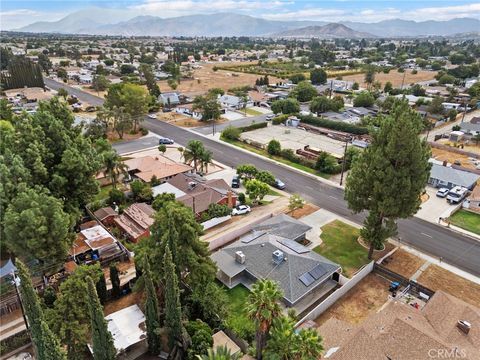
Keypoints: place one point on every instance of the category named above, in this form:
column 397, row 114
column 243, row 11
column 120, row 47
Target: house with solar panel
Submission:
column 273, row 250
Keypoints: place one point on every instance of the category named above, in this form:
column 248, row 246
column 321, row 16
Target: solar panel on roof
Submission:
column 306, row 279
column 293, row 245
column 252, row 236
column 317, row 272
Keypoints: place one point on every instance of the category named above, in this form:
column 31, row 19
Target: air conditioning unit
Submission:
column 464, row 326
column 278, row 256
column 240, row 257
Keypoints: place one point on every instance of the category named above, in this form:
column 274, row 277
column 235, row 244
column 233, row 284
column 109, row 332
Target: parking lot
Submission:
column 293, row 138
column 434, row 207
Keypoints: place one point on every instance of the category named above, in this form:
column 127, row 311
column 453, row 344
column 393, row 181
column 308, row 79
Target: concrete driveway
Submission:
column 435, row 207
column 232, row 115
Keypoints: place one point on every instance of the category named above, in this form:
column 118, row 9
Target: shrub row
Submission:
column 255, row 126
column 14, row 342
column 334, row 125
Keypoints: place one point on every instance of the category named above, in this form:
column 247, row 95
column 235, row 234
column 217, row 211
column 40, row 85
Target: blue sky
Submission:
column 17, row 13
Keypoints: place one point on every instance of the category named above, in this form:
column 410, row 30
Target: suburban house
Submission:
column 473, row 201
column 187, row 109
column 144, row 168
column 169, row 99
column 470, row 128
column 93, row 243
column 445, row 325
column 272, row 251
column 198, row 193
column 135, row 221
column 232, row 102
column 446, row 176
column 106, row 215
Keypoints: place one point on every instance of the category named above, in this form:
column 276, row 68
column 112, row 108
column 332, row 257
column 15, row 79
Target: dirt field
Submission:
column 394, row 77
column 87, row 89
column 471, row 148
column 451, row 157
column 182, row 120
column 404, row 263
column 123, row 302
column 361, row 301
column 437, row 278
column 205, row 78
column 306, row 210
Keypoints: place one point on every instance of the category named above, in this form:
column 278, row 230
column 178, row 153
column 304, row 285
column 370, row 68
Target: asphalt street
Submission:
column 455, row 248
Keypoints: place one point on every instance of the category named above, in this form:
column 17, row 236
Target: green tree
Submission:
column 355, row 86
column 295, row 202
column 274, row 147
column 247, row 171
column 193, row 153
column 45, row 342
column 363, row 99
column 370, row 76
column 206, row 158
column 162, row 148
column 304, row 91
column 256, row 190
column 102, row 341
column 202, row 340
column 326, row 163
column 100, row 83
column 266, row 177
column 388, row 178
column 318, row 76
column 115, row 280
column 231, row 133
column 388, row 87
column 62, row 92
column 297, row 78
column 70, row 317
column 263, row 306
column 285, row 106
column 161, row 200
column 173, row 311
column 36, row 225
column 208, row 106
column 152, row 314
column 435, row 106
column 101, row 287
column 150, row 80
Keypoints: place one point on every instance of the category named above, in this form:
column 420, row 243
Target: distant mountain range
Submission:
column 329, row 31
column 98, row 21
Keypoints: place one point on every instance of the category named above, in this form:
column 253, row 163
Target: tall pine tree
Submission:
column 115, row 279
column 173, row 311
column 102, row 341
column 46, row 344
column 388, row 178
column 101, row 287
column 152, row 315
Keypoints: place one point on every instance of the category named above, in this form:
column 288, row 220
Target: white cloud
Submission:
column 307, row 14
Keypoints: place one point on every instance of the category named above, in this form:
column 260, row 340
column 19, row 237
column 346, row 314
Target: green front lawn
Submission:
column 466, row 220
column 252, row 112
column 340, row 245
column 103, row 193
column 238, row 320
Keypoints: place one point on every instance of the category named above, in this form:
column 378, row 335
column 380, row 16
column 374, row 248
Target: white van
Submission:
column 457, row 194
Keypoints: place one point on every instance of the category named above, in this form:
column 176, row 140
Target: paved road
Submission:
column 126, row 147
column 208, row 129
column 456, row 249
column 82, row 95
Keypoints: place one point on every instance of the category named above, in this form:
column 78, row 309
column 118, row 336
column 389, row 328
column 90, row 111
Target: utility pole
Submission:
column 16, row 281
column 331, row 88
column 464, row 110
column 344, row 161
column 403, row 79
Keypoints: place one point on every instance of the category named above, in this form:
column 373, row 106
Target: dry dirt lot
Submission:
column 205, row 78
column 451, row 157
column 362, row 300
column 299, row 213
column 404, row 263
column 474, row 148
column 437, row 278
column 123, row 302
column 394, row 77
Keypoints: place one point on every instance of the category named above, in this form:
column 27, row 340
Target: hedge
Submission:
column 280, row 119
column 254, row 126
column 14, row 342
column 334, row 125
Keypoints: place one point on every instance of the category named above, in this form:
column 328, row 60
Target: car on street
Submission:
column 152, row 116
column 241, row 210
column 279, row 184
column 167, row 110
column 165, row 141
column 236, row 182
column 270, row 117
column 442, row 192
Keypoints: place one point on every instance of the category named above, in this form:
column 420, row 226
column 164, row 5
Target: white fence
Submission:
column 337, row 294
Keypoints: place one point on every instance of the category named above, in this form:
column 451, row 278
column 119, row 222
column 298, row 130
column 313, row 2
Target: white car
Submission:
column 442, row 192
column 241, row 210
column 152, row 116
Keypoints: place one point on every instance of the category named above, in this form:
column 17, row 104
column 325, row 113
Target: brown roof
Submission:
column 104, row 212
column 475, row 195
column 159, row 166
column 400, row 331
column 136, row 219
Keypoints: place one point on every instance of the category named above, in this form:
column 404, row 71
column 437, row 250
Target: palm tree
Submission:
column 282, row 338
column 263, row 307
column 205, row 160
column 220, row 353
column 193, row 153
column 308, row 344
column 114, row 166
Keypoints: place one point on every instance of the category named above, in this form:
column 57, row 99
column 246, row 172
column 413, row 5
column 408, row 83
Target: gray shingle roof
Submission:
column 284, row 226
column 454, row 176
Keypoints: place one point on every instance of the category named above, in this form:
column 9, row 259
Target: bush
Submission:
column 116, row 196
column 296, row 78
column 334, row 125
column 14, row 342
column 274, row 147
column 266, row 177
column 201, row 336
column 231, row 133
column 241, row 197
column 289, row 154
column 327, row 164
column 364, row 99
column 280, row 119
column 254, row 126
